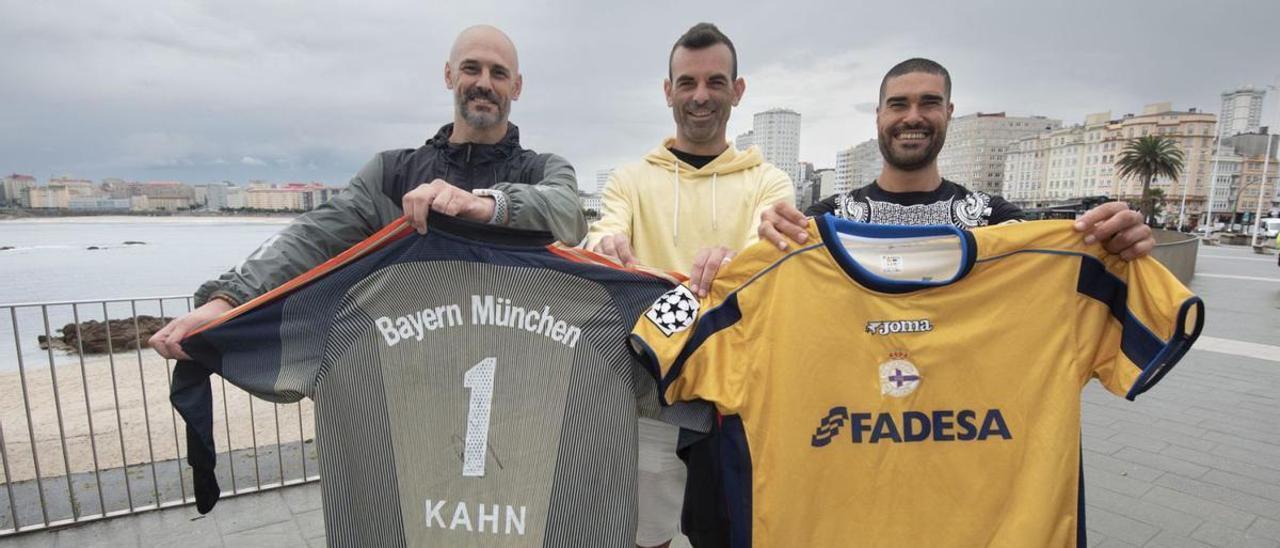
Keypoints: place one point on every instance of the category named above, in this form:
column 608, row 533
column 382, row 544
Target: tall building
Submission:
column 777, row 133
column 12, row 188
column 974, row 154
column 824, row 181
column 857, row 166
column 744, row 141
column 804, row 176
column 1067, row 164
column 805, row 170
column 1240, row 167
column 602, row 179
column 46, row 197
column 1241, row 111
column 223, row 195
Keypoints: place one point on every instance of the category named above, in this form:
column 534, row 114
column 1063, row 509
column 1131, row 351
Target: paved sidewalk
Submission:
column 1194, row 462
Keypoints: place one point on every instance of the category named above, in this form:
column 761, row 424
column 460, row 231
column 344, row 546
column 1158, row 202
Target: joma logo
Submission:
column 899, row 326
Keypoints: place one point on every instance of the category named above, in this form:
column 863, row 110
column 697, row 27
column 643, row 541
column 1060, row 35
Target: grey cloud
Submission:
column 142, row 89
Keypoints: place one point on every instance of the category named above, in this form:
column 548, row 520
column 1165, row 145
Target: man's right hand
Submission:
column 617, row 246
column 168, row 341
column 782, row 219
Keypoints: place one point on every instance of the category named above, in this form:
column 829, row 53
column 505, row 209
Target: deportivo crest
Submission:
column 898, row 377
column 674, row 311
column 892, row 327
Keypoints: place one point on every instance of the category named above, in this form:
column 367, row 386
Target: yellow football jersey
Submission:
column 914, row 386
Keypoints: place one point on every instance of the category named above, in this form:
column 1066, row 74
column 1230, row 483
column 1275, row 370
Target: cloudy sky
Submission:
column 308, row 91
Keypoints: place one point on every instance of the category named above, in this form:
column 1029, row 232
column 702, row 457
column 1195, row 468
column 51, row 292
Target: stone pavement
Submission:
column 1193, row 462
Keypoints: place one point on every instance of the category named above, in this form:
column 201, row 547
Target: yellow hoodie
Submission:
column 669, row 210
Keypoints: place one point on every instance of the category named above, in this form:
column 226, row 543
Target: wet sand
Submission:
column 137, row 378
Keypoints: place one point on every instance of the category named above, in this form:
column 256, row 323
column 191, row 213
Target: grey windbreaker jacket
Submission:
column 541, row 192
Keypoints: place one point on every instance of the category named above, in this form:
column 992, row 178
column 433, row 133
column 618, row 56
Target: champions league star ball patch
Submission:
column 898, row 377
column 674, row 311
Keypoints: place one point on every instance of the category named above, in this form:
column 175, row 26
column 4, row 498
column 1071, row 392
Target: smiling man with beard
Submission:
column 688, row 206
column 911, row 121
column 473, row 168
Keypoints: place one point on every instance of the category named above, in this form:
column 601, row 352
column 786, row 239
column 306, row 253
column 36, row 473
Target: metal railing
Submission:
column 95, row 436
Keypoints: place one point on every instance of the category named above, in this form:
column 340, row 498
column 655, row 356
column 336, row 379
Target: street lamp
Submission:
column 1266, row 163
column 1213, row 174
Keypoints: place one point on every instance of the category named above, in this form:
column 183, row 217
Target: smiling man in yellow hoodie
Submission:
column 690, row 205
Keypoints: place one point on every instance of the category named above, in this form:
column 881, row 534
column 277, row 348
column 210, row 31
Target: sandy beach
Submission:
column 136, row 377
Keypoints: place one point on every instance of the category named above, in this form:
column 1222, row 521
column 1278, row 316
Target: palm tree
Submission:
column 1146, row 158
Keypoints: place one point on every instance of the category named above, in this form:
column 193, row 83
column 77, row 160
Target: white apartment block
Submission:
column 46, row 197
column 288, row 197
column 1240, row 185
column 1224, row 191
column 13, row 187
column 857, row 166
column 744, row 141
column 273, row 199
column 76, row 188
column 1067, row 164
column 974, row 154
column 1242, row 110
column 224, row 196
column 777, row 133
column 592, row 201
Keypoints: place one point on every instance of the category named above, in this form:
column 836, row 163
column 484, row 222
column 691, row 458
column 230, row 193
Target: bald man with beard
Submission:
column 472, row 168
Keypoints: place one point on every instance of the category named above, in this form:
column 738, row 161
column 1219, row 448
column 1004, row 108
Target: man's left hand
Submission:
column 442, row 197
column 1120, row 230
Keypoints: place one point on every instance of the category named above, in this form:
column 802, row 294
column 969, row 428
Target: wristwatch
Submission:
column 499, row 204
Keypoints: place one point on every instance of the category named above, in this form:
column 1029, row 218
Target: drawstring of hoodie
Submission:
column 675, row 216
column 715, row 223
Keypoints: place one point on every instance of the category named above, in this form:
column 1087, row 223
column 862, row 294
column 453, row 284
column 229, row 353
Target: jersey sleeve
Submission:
column 250, row 351
column 270, row 352
column 687, row 346
column 1137, row 320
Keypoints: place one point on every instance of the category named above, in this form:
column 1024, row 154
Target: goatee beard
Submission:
column 481, row 120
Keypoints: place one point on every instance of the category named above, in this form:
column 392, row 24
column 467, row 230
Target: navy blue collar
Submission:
column 830, row 227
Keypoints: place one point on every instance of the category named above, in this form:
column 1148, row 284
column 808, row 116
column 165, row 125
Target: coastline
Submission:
column 152, row 219
column 138, row 378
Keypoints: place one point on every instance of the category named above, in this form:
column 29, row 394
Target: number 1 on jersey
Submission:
column 479, row 379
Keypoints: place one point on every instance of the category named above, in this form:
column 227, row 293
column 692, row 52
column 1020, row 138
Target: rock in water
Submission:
column 93, row 335
column 134, row 242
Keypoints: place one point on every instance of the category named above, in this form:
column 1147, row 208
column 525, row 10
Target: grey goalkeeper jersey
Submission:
column 472, row 388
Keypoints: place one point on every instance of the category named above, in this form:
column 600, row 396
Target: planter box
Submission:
column 1234, row 239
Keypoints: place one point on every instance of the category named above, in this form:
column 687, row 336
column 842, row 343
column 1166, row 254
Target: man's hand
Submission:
column 1120, row 229
column 706, row 264
column 439, row 195
column 617, row 246
column 167, row 341
column 781, row 219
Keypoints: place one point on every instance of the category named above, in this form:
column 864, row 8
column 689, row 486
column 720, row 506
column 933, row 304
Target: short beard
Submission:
column 902, row 164
column 480, row 120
